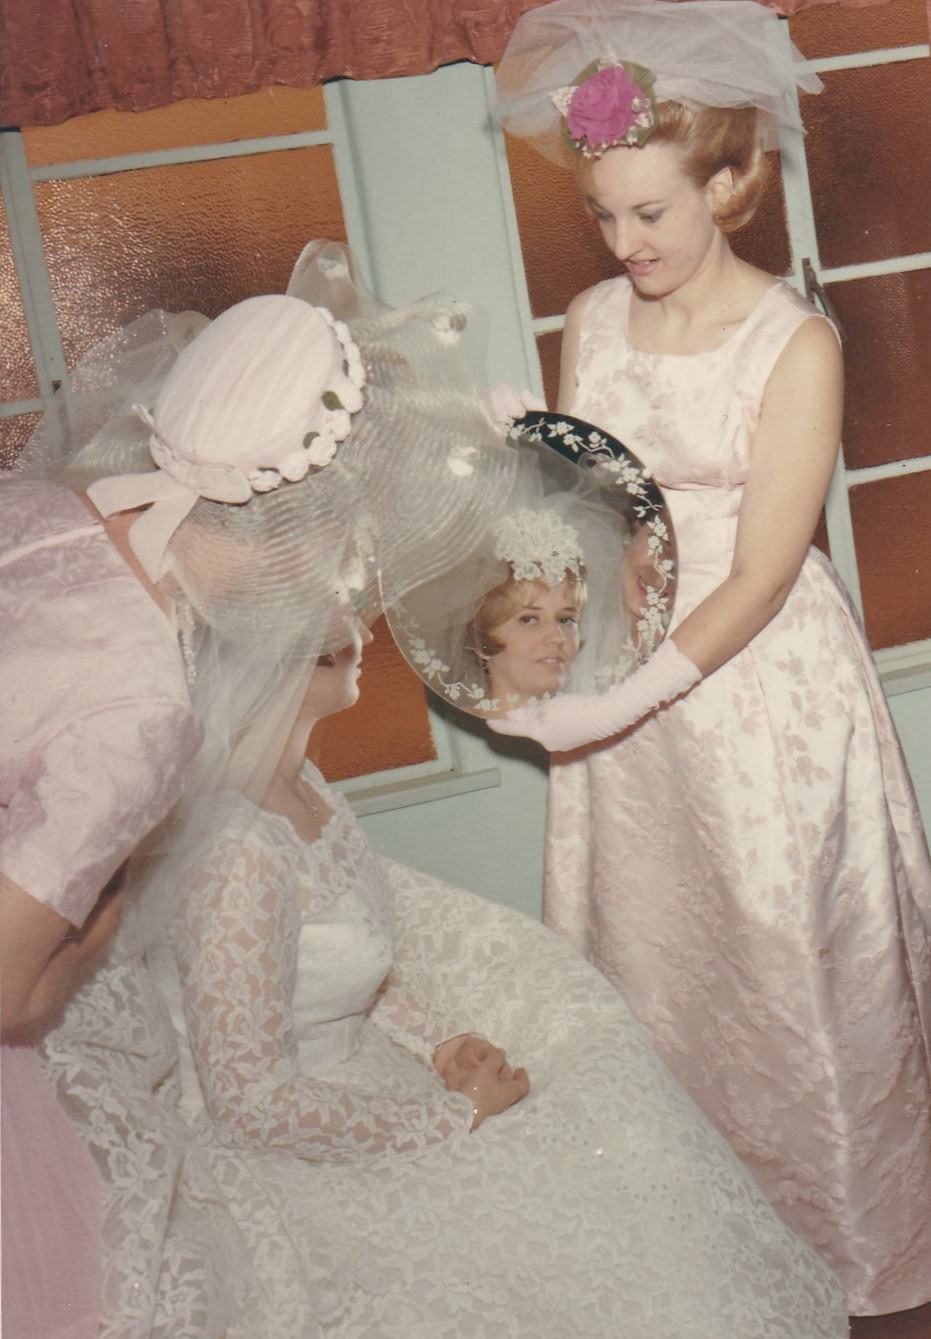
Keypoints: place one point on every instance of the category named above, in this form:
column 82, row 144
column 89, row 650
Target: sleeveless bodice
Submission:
column 689, row 417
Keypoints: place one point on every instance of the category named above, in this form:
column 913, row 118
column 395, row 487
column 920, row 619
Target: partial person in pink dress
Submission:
column 96, row 733
column 743, row 855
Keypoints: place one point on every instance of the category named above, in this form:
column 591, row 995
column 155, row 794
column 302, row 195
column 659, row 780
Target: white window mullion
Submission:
column 530, row 327
column 339, row 119
column 13, row 408
column 31, row 271
column 803, row 244
column 191, row 153
column 903, row 668
column 857, row 60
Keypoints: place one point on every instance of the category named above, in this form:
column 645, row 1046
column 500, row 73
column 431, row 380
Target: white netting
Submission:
column 703, row 53
column 615, row 514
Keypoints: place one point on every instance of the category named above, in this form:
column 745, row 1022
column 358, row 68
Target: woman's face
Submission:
column 539, row 642
column 334, row 683
column 652, row 215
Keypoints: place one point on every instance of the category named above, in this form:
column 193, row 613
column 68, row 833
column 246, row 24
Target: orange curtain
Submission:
column 61, row 58
column 64, row 57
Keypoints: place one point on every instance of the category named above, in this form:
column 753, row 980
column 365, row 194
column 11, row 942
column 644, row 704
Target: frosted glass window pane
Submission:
column 17, row 374
column 14, row 433
column 388, row 727
column 271, row 111
column 868, row 162
column 835, row 30
column 193, row 236
column 548, row 350
column 893, row 541
column 562, row 247
column 887, row 320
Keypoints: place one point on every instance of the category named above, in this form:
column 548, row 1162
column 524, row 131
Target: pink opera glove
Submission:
column 567, row 722
column 503, row 403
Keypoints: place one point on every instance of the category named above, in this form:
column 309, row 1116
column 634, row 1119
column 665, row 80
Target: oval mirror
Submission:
column 570, row 587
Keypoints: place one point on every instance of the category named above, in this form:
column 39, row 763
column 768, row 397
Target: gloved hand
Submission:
column 503, row 403
column 567, row 722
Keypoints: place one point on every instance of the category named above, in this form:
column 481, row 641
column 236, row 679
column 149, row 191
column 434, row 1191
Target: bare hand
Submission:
column 457, row 1058
column 43, row 958
column 504, row 403
column 493, row 1088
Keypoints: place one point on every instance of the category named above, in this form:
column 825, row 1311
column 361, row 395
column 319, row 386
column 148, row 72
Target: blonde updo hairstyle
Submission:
column 510, row 595
column 712, row 139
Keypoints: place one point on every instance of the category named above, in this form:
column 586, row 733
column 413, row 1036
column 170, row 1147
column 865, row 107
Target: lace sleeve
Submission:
column 236, row 943
column 414, row 1010
column 403, row 1015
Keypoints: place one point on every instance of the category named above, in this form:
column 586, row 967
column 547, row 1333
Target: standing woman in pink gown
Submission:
column 743, row 855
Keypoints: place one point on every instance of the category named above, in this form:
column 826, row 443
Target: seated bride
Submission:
column 361, row 1141
column 389, row 1169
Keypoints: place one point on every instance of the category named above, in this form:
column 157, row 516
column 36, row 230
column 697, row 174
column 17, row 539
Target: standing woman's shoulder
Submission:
column 580, row 312
column 798, row 305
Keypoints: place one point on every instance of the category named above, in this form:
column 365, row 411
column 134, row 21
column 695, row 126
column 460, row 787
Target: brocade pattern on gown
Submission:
column 603, row 1204
column 748, row 865
column 96, row 723
column 96, row 730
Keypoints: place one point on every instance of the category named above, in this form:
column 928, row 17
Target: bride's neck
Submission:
column 291, row 763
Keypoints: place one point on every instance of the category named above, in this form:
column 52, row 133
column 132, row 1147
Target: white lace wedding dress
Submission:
column 604, row 1204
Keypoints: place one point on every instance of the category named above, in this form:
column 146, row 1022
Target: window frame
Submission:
column 375, row 792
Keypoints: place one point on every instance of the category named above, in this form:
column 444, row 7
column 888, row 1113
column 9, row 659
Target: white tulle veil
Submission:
column 262, row 587
column 701, row 53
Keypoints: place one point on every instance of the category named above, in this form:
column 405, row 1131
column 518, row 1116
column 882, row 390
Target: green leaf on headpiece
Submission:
column 641, row 76
column 331, row 400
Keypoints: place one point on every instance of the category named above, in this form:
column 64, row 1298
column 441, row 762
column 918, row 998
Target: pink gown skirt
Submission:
column 51, row 1211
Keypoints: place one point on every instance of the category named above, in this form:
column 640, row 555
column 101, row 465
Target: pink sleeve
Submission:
column 94, row 791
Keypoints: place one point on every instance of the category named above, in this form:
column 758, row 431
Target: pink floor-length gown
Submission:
column 748, row 866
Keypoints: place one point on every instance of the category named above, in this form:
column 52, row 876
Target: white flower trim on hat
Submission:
column 538, row 546
column 181, row 477
column 221, row 482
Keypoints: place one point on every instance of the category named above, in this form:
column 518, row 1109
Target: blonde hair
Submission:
column 505, row 599
column 712, row 139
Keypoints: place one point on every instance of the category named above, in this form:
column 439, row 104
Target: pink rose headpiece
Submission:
column 263, row 395
column 610, row 104
column 706, row 53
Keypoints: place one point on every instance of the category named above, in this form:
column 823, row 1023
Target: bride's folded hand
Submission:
column 493, row 1087
column 455, row 1059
